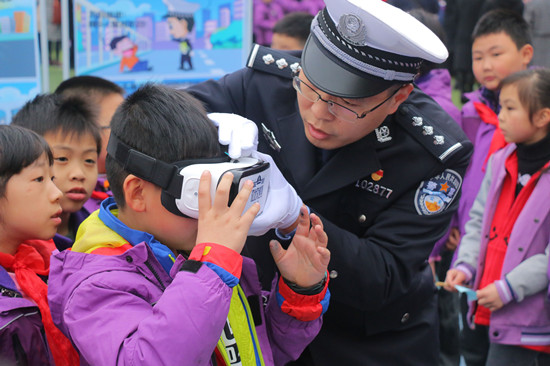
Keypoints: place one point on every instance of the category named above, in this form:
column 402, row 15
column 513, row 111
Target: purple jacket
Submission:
column 265, row 17
column 63, row 242
column 437, row 84
column 525, row 317
column 93, row 203
column 22, row 341
column 309, row 6
column 480, row 134
column 126, row 309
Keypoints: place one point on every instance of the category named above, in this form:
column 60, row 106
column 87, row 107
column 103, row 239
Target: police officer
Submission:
column 376, row 158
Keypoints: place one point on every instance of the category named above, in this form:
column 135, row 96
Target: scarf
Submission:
column 506, row 213
column 31, row 260
column 488, row 116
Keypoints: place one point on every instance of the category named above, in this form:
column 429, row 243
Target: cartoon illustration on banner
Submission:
column 169, row 41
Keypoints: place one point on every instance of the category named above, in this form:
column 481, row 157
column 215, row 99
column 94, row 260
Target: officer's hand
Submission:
column 222, row 224
column 241, row 134
column 306, row 259
column 282, row 204
column 454, row 277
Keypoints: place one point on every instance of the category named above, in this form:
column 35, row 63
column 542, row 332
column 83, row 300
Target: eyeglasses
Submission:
column 335, row 108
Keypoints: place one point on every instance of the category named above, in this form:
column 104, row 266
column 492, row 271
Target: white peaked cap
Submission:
column 359, row 48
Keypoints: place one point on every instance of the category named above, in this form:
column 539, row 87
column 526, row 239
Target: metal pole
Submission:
column 44, row 46
column 65, row 42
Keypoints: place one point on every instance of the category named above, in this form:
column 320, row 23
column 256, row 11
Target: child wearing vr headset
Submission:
column 147, row 283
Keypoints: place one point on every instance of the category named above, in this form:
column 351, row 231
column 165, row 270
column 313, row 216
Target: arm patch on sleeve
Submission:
column 436, row 194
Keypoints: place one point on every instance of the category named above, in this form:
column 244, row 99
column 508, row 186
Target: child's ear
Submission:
column 134, row 193
column 526, row 53
column 542, row 118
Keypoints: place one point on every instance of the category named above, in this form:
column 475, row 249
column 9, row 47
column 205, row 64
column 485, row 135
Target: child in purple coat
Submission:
column 504, row 252
column 147, row 284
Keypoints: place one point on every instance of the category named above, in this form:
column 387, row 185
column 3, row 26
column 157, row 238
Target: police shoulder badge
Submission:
column 435, row 195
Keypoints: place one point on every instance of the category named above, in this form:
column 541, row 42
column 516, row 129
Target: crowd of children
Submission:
column 165, row 271
column 95, row 268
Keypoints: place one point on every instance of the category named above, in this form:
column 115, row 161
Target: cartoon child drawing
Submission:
column 180, row 25
column 124, row 47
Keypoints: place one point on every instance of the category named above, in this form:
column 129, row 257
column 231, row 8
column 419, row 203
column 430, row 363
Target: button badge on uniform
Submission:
column 281, row 63
column 295, row 67
column 377, row 175
column 268, row 59
column 439, row 140
column 427, row 130
column 362, row 219
column 417, row 121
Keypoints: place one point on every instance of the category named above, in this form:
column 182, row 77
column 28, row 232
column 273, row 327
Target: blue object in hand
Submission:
column 470, row 294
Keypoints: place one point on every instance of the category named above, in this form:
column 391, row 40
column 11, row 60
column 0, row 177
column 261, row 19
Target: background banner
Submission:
column 180, row 42
column 19, row 61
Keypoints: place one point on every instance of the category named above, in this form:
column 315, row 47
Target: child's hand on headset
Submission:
column 222, row 224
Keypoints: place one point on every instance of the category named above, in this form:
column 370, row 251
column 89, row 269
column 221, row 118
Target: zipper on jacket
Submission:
column 155, row 273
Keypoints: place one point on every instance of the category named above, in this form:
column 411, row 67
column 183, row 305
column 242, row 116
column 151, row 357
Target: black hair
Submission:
column 533, row 88
column 115, row 41
column 189, row 18
column 431, row 21
column 165, row 123
column 89, row 86
column 19, row 148
column 51, row 113
column 502, row 20
column 295, row 24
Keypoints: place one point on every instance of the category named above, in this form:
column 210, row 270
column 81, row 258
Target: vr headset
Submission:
column 180, row 180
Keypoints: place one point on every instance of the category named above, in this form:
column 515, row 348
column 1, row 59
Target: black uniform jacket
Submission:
column 376, row 198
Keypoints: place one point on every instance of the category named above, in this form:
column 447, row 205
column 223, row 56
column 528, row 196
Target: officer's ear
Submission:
column 399, row 97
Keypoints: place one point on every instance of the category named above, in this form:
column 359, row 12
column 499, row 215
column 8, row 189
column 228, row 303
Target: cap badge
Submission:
column 268, row 59
column 383, row 134
column 352, row 29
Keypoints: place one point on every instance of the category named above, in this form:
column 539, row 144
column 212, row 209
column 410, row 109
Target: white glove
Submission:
column 282, row 205
column 241, row 134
